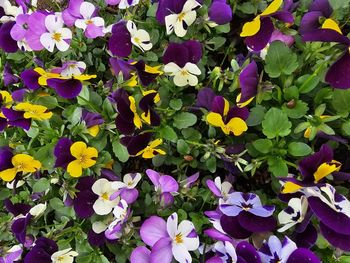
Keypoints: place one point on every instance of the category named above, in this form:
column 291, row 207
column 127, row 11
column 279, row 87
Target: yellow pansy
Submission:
column 236, row 125
column 150, row 151
column 253, row 27
column 21, row 163
column 32, row 111
column 245, row 103
column 137, row 119
column 325, row 169
column 84, row 158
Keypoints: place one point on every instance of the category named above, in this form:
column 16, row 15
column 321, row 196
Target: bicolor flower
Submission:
column 15, row 118
column 189, row 181
column 180, row 62
column 57, row 35
column 274, row 250
column 122, row 4
column 92, row 121
column 127, row 189
column 294, row 214
column 313, row 169
column 84, row 157
column 338, row 75
column 219, row 13
column 32, row 111
column 41, row 251
column 149, row 115
column 139, row 37
column 12, row 255
column 20, row 163
column 103, row 205
column 121, row 213
column 221, row 190
column 248, row 82
column 164, row 185
column 64, row 256
column 168, row 239
column 230, row 120
column 258, row 32
column 244, row 214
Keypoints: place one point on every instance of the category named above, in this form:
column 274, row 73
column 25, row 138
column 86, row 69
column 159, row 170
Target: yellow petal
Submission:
column 155, row 143
column 94, row 130
column 215, row 119
column 148, row 153
column 87, row 163
column 91, row 152
column 25, row 163
column 272, row 8
column 251, row 28
column 153, row 70
column 245, row 103
column 226, row 106
column 331, row 24
column 161, row 152
column 6, row 97
column 78, row 149
column 8, row 175
column 83, row 77
column 289, row 188
column 237, row 126
column 325, row 169
column 74, row 169
column 307, row 133
column 132, row 82
column 146, row 118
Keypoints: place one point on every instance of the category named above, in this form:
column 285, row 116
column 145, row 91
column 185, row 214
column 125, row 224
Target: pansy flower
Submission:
column 19, row 163
column 85, row 197
column 248, row 81
column 338, row 75
column 313, row 169
column 169, row 239
column 32, row 111
column 65, row 255
column 139, row 37
column 15, row 118
column 104, row 190
column 219, row 13
column 149, row 115
column 41, row 251
column 273, row 250
column 258, row 32
column 57, row 35
column 220, row 189
column 164, row 185
column 127, row 188
column 295, row 213
column 12, row 255
column 9, row 77
column 74, row 156
column 180, row 62
column 244, row 214
column 121, row 214
column 92, row 121
column 230, row 120
column 141, row 145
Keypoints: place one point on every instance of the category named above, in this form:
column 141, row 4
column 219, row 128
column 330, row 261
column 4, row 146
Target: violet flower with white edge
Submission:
column 103, row 205
column 165, row 185
column 220, row 189
column 91, row 24
column 139, row 37
column 57, row 35
column 121, row 214
column 179, row 23
column 126, row 189
column 168, row 239
column 295, row 213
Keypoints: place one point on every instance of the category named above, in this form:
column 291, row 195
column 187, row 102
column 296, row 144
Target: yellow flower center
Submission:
column 137, row 40
column 57, row 36
column 89, row 22
column 105, row 196
column 181, row 16
column 184, row 72
column 178, row 239
column 83, row 158
column 60, row 258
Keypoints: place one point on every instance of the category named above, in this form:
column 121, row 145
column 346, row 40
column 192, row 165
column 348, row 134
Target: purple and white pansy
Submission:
column 127, row 188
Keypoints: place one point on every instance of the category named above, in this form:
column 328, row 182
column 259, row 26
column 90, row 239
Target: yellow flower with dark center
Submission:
column 150, row 151
column 21, row 163
column 84, row 158
column 35, row 112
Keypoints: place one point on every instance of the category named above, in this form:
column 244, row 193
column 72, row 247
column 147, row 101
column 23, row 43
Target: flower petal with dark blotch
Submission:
column 256, row 224
column 66, row 88
column 136, row 143
column 261, row 39
column 233, row 228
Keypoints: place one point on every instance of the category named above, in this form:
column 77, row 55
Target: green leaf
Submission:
column 339, row 4
column 256, row 115
column 184, row 120
column 277, row 167
column 41, row 185
column 120, row 151
column 308, row 83
column 344, row 259
column 211, row 164
column 341, row 101
column 280, row 60
column 182, row 147
column 263, row 145
column 176, row 104
column 299, row 110
column 168, row 133
column 299, row 149
column 276, row 123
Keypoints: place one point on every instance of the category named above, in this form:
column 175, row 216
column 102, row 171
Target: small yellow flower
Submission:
column 21, row 163
column 35, row 112
column 150, row 151
column 84, row 158
column 236, row 125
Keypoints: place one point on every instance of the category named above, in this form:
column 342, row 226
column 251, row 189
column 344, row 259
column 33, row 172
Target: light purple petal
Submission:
column 168, row 184
column 153, row 229
column 140, row 255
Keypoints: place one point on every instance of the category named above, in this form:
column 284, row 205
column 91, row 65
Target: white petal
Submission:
column 181, row 254
column 192, row 68
column 99, row 227
column 53, row 23
column 171, row 225
column 185, row 227
column 172, row 68
column 286, row 227
column 190, row 17
column 190, row 5
column 181, row 80
column 80, row 23
column 66, row 33
column 130, row 25
column 87, row 9
column 62, row 45
column 116, row 185
column 103, row 207
column 38, row 210
column 179, row 29
column 192, row 243
column 170, row 22
column 98, row 21
column 47, row 41
column 101, row 186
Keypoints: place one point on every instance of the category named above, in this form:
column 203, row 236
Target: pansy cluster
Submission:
column 161, row 131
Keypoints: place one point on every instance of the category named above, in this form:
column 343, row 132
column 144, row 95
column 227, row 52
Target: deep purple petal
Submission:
column 338, row 75
column 62, row 153
column 205, row 97
column 261, row 39
column 307, row 238
column 245, row 250
column 310, row 22
column 303, row 255
column 120, row 41
column 16, row 209
column 242, row 113
column 5, row 158
column 30, row 79
column 325, row 35
column 136, row 143
column 284, row 16
column 95, row 239
column 336, row 239
column 83, row 203
column 220, row 12
column 177, row 53
column 233, row 228
column 256, row 224
column 67, row 89
column 7, row 43
column 119, row 65
column 322, row 6
column 248, row 81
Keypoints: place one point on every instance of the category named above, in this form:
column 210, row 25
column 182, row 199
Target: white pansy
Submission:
column 123, row 4
column 64, row 256
column 180, row 22
column 130, row 181
column 99, row 227
column 120, row 213
column 181, row 243
column 294, row 214
column 11, row 11
column 224, row 187
column 103, row 205
column 139, row 37
column 87, row 10
column 57, row 36
column 38, row 210
column 183, row 76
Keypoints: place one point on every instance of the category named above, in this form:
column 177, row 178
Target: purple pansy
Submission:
column 220, row 12
column 248, row 81
column 127, row 188
column 16, row 118
column 165, row 186
column 41, row 251
column 30, row 79
column 120, row 41
column 92, row 121
column 62, row 153
column 221, row 190
column 7, row 43
column 8, row 76
column 311, row 20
